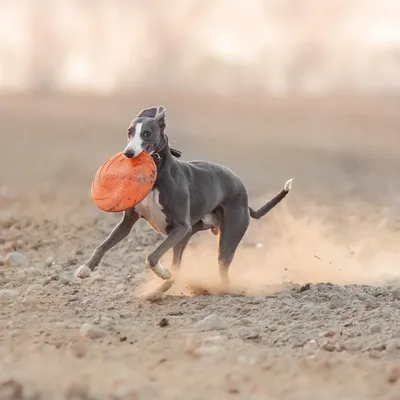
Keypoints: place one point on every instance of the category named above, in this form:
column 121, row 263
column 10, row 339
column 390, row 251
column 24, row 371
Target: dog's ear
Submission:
column 148, row 112
column 160, row 117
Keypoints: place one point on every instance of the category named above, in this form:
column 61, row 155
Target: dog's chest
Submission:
column 151, row 210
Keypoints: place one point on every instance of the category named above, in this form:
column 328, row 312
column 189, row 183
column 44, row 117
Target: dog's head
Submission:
column 145, row 132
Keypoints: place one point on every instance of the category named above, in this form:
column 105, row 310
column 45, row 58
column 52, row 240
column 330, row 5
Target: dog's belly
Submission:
column 151, row 210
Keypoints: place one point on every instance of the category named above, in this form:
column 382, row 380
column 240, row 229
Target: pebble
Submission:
column 32, row 272
column 393, row 346
column 49, row 261
column 336, row 302
column 16, row 260
column 104, row 321
column 91, row 331
column 14, row 333
column 211, row 323
column 330, row 346
column 34, row 289
column 247, row 360
column 66, row 278
column 29, row 302
column 376, row 328
column 8, row 295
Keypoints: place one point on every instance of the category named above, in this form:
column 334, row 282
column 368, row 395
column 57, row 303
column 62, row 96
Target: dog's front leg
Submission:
column 118, row 233
column 153, row 260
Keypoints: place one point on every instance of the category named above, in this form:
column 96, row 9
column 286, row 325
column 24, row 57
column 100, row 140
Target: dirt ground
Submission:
column 319, row 312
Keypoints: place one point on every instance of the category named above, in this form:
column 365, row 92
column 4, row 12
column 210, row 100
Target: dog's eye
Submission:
column 146, row 134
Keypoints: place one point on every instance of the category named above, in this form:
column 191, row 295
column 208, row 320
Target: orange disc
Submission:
column 121, row 183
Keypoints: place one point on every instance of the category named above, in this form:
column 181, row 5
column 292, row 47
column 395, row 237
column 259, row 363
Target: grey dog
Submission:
column 188, row 197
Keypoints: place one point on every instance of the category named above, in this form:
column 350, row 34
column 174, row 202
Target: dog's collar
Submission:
column 157, row 157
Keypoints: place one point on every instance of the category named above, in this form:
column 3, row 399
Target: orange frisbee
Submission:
column 121, row 183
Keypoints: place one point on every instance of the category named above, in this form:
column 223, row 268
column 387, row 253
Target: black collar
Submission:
column 159, row 154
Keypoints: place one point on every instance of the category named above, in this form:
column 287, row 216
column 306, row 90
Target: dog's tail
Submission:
column 273, row 202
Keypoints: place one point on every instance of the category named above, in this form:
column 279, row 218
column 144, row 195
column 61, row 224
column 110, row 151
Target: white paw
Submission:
column 288, row 185
column 159, row 270
column 153, row 297
column 157, row 294
column 83, row 272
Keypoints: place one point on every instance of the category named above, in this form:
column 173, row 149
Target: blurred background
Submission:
column 271, row 88
column 269, row 46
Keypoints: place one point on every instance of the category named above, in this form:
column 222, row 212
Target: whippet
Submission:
column 187, row 197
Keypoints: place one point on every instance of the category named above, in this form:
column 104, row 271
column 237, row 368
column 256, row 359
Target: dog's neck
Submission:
column 163, row 152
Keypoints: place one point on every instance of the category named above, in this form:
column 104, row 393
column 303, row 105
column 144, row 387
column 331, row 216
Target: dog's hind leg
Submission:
column 118, row 233
column 234, row 224
column 181, row 246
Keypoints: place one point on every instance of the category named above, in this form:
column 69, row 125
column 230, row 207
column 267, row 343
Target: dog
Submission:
column 187, row 197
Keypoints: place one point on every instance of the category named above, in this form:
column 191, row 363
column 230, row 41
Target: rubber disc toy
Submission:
column 121, row 183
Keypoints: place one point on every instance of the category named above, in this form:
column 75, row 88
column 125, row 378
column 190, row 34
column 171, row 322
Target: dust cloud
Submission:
column 285, row 249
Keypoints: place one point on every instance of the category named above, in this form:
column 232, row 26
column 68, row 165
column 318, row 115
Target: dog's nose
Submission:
column 129, row 153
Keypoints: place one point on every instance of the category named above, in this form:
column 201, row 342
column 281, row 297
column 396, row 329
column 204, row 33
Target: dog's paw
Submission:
column 83, row 272
column 154, row 296
column 159, row 270
column 157, row 294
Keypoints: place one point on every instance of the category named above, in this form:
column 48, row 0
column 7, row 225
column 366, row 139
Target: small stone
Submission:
column 371, row 304
column 32, row 272
column 14, row 333
column 49, row 261
column 393, row 346
column 104, row 321
column 66, row 278
column 303, row 288
column 210, row 323
column 16, row 260
column 92, row 331
column 247, row 360
column 330, row 346
column 376, row 328
column 164, row 322
column 336, row 302
column 2, row 258
column 363, row 296
column 34, row 289
column 7, row 295
column 29, row 302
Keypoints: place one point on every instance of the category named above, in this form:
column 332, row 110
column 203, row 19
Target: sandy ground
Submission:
column 319, row 312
